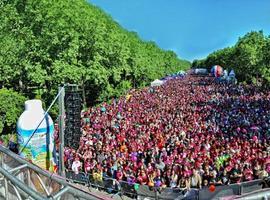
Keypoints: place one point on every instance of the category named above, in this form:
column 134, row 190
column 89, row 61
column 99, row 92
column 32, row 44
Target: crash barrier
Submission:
column 81, row 177
column 220, row 191
column 110, row 185
column 230, row 190
column 132, row 190
column 251, row 186
column 137, row 191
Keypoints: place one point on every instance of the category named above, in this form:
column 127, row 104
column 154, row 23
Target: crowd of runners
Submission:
column 188, row 133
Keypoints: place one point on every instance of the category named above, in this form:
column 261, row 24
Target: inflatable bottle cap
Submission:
column 33, row 105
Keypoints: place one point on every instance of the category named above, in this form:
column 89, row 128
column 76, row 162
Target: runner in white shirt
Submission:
column 76, row 165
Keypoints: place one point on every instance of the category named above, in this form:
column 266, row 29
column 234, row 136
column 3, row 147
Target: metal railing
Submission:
column 134, row 190
column 123, row 188
column 20, row 179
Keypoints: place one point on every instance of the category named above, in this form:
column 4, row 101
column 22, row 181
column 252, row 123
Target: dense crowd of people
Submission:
column 188, row 133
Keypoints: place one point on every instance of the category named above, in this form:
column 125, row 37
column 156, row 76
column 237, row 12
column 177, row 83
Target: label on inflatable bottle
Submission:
column 37, row 147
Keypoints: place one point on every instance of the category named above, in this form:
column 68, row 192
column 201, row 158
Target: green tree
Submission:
column 265, row 63
column 12, row 105
column 46, row 43
column 249, row 57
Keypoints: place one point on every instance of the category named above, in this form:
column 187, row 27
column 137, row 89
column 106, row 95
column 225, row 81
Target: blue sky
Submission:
column 191, row 28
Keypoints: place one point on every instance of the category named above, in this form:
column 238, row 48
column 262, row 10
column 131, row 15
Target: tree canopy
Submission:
column 46, row 43
column 12, row 105
column 249, row 57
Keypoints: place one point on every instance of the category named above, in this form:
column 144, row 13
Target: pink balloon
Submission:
column 255, row 138
column 134, row 158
